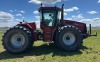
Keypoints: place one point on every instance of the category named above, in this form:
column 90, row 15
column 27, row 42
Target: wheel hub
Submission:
column 69, row 38
column 17, row 40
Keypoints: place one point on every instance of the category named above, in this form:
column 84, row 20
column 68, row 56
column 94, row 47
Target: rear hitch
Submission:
column 90, row 32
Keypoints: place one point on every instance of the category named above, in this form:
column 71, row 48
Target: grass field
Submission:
column 42, row 52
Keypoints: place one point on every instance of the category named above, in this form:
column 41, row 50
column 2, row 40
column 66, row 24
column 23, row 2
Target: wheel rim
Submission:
column 17, row 40
column 69, row 38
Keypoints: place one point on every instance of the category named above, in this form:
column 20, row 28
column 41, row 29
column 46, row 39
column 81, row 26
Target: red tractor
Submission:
column 66, row 34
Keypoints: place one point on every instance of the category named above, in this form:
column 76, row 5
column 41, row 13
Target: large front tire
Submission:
column 69, row 38
column 17, row 39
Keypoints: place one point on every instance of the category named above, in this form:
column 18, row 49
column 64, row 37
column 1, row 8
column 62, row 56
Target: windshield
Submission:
column 48, row 17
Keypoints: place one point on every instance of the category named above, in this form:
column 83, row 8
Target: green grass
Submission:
column 43, row 52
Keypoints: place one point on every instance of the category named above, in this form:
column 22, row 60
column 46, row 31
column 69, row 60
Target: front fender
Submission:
column 31, row 27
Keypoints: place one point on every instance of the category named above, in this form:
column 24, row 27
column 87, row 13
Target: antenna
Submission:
column 41, row 4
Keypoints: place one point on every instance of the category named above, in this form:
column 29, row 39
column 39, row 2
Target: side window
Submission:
column 59, row 15
column 40, row 14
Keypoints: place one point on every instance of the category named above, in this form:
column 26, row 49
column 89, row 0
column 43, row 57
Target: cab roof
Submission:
column 49, row 8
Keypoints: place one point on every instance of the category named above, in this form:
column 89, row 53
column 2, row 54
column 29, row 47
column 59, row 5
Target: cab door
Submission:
column 47, row 25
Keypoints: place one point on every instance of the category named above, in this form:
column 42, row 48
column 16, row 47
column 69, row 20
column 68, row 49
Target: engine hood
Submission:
column 73, row 22
column 81, row 26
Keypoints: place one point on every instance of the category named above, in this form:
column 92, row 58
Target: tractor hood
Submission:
column 73, row 22
column 81, row 26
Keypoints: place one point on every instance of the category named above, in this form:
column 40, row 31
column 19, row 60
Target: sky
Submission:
column 14, row 11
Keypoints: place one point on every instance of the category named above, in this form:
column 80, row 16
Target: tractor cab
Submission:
column 49, row 20
column 49, row 16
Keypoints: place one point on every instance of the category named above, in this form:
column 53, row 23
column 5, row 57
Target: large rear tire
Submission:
column 17, row 39
column 69, row 38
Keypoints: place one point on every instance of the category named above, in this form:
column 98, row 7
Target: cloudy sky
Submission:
column 14, row 11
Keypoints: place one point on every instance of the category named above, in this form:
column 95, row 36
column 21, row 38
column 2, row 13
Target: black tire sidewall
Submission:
column 7, row 43
column 78, row 38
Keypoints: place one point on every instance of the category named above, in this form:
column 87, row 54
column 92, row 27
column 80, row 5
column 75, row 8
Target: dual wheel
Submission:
column 17, row 39
column 68, row 38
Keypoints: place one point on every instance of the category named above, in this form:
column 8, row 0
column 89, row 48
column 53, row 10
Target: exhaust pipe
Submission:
column 62, row 12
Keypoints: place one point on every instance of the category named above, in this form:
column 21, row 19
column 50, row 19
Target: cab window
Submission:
column 48, row 17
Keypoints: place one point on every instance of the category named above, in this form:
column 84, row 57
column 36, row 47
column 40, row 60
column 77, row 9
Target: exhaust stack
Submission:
column 62, row 12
